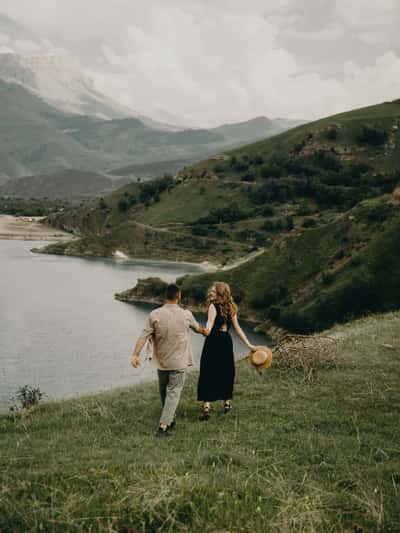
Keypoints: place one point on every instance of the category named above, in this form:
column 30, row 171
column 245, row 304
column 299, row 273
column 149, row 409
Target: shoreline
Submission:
column 26, row 228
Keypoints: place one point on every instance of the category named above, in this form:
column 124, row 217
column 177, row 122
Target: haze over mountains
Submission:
column 52, row 118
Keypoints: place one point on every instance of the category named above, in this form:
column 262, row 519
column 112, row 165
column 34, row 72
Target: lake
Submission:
column 61, row 328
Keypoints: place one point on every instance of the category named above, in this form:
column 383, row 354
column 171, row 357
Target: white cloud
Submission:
column 212, row 61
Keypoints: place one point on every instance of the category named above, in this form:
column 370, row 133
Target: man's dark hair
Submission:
column 172, row 291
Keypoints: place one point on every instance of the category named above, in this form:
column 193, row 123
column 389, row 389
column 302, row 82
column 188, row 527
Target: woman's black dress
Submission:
column 217, row 364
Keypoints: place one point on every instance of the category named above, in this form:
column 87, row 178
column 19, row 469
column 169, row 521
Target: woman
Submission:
column 217, row 365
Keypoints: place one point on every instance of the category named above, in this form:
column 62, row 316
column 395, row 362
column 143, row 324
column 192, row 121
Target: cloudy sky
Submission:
column 214, row 61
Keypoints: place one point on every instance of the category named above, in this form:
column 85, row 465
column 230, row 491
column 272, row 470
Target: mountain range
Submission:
column 36, row 138
column 53, row 118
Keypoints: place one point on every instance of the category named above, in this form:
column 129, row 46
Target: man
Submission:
column 168, row 329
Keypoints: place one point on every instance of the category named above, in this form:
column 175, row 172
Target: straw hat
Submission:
column 261, row 358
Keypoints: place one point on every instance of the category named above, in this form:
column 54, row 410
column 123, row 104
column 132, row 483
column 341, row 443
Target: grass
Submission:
column 295, row 455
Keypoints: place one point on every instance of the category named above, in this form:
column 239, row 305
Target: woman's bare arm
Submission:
column 240, row 333
column 212, row 313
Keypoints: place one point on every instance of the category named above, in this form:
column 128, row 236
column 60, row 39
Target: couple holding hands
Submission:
column 168, row 329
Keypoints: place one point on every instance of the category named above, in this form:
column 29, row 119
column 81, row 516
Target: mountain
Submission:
column 61, row 83
column 36, row 138
column 254, row 129
column 317, row 209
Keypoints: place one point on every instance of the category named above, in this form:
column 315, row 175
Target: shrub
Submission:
column 224, row 214
column 268, row 225
column 289, row 223
column 274, row 312
column 123, row 205
column 258, row 160
column 309, row 222
column 201, row 231
column 241, row 166
column 298, row 147
column 379, row 213
column 267, row 211
column 304, row 210
column 28, row 396
column 372, row 135
column 327, row 278
column 332, row 134
column 248, row 177
column 327, row 160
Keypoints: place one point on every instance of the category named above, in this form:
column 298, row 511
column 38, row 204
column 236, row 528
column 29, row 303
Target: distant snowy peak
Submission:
column 60, row 81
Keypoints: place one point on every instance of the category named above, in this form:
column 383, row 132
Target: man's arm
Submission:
column 195, row 326
column 144, row 337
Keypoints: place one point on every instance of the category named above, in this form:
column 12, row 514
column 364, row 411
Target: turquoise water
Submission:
column 60, row 327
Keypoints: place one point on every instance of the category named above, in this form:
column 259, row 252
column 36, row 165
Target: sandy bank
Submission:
column 29, row 229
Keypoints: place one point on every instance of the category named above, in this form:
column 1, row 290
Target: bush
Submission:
column 332, row 134
column 241, row 166
column 258, row 160
column 201, row 231
column 248, row 177
column 274, row 312
column 289, row 223
column 328, row 278
column 309, row 222
column 268, row 226
column 123, row 204
column 28, row 396
column 373, row 135
column 379, row 213
column 222, row 215
column 267, row 211
column 304, row 210
column 327, row 160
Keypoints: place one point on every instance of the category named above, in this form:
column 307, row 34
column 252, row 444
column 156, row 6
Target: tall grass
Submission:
column 294, row 455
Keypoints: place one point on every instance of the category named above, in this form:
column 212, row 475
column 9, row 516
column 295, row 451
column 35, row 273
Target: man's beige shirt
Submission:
column 168, row 328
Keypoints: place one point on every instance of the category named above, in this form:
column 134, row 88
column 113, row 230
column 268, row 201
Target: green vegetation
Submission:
column 288, row 284
column 65, row 185
column 317, row 202
column 31, row 207
column 300, row 452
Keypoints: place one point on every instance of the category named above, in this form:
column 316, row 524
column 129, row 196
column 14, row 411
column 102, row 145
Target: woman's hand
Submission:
column 206, row 332
column 135, row 362
column 252, row 348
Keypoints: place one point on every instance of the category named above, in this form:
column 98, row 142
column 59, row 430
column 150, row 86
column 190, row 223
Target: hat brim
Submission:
column 267, row 363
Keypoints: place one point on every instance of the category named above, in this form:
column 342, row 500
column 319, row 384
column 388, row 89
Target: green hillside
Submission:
column 65, row 184
column 334, row 272
column 317, row 199
column 312, row 445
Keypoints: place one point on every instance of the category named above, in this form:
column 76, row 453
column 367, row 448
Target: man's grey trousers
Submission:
column 171, row 384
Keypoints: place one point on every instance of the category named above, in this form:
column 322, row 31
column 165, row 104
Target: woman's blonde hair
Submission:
column 224, row 299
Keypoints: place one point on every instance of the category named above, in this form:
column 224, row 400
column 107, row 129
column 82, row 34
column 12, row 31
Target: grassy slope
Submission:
column 381, row 115
column 360, row 256
column 108, row 230
column 322, row 456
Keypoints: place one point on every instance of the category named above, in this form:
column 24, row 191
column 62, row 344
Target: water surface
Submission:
column 61, row 328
